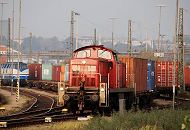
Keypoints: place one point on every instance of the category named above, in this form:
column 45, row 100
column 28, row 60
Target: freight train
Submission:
column 100, row 79
column 9, row 73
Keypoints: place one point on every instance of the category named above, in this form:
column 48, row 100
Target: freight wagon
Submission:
column 47, row 76
column 164, row 77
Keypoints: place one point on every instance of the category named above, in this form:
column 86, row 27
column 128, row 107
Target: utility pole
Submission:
column 159, row 25
column 95, row 41
column 19, row 50
column 181, row 51
column 72, row 31
column 77, row 33
column 30, row 49
column 174, row 51
column 129, row 38
column 9, row 41
column 1, row 35
column 112, row 35
column 12, row 46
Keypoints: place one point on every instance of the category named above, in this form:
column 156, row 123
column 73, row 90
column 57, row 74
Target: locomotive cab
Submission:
column 91, row 75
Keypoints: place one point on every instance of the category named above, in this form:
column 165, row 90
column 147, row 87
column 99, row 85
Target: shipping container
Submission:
column 187, row 76
column 56, row 71
column 35, row 71
column 151, row 75
column 136, row 72
column 3, row 58
column 164, row 74
column 62, row 74
column 46, row 72
column 66, row 73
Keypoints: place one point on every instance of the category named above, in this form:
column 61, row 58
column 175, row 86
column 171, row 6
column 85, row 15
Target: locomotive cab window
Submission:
column 104, row 54
column 83, row 54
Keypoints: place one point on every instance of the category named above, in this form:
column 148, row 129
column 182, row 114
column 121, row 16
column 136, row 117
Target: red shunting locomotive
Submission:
column 97, row 81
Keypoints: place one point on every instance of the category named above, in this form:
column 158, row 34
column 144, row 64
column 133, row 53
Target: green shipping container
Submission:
column 46, row 72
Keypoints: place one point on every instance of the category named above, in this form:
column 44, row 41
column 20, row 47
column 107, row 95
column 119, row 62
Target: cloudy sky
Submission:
column 48, row 18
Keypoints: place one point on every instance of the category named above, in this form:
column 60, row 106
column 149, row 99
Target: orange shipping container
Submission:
column 62, row 73
column 136, row 72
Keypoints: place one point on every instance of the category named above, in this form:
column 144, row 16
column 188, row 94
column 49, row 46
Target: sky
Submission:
column 49, row 18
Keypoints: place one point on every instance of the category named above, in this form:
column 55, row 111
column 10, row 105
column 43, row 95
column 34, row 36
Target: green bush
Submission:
column 186, row 124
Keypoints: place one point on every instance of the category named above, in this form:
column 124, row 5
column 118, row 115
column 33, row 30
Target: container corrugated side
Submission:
column 56, row 70
column 164, row 74
column 46, row 72
column 151, row 75
column 66, row 75
column 187, row 76
column 136, row 72
column 35, row 71
column 62, row 74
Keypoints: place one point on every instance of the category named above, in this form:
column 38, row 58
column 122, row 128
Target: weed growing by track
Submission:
column 154, row 120
column 162, row 119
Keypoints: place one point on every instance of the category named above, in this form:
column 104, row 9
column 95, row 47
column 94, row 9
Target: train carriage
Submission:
column 9, row 73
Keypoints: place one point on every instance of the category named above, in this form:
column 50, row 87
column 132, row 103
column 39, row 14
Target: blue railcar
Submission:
column 9, row 72
column 151, row 75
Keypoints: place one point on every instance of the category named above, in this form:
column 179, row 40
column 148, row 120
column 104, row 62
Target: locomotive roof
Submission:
column 96, row 46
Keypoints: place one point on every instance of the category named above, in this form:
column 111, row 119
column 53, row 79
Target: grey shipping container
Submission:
column 46, row 72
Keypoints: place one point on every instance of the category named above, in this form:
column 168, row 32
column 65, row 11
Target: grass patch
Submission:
column 163, row 119
column 154, row 120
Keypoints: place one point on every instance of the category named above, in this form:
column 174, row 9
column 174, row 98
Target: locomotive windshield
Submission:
column 83, row 54
column 104, row 54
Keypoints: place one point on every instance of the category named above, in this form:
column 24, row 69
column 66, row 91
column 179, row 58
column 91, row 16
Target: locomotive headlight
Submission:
column 61, row 89
column 102, row 89
column 83, row 62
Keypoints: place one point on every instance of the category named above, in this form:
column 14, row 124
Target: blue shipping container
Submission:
column 150, row 78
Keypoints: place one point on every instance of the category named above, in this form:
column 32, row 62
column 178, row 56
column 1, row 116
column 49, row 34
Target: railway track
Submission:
column 179, row 103
column 41, row 105
column 41, row 108
column 42, row 119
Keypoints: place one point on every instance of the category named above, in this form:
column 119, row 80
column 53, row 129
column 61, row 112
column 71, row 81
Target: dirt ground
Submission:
column 12, row 106
column 162, row 102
